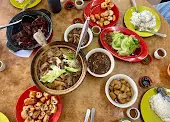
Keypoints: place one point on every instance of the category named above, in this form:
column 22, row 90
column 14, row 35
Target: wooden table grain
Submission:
column 16, row 78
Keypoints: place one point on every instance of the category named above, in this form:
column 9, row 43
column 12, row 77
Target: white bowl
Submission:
column 131, row 82
column 78, row 25
column 110, row 57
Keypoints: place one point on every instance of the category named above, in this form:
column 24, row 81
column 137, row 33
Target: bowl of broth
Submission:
column 100, row 62
column 56, row 70
column 72, row 35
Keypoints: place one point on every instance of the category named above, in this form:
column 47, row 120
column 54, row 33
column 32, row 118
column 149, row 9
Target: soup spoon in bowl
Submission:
column 25, row 18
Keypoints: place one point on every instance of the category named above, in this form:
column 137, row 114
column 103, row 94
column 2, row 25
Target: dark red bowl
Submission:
column 78, row 21
column 68, row 3
column 147, row 60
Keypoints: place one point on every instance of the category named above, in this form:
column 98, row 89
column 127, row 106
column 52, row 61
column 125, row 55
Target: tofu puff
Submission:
column 38, row 107
column 121, row 91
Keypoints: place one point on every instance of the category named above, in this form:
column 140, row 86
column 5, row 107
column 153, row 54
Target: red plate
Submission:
column 20, row 103
column 140, row 52
column 97, row 10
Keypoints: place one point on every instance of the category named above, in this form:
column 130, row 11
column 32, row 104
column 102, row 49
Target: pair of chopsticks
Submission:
column 88, row 115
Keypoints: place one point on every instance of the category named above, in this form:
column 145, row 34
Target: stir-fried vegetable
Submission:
column 124, row 44
column 59, row 67
column 52, row 74
column 71, row 69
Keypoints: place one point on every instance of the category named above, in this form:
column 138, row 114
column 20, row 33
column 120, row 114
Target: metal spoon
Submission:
column 26, row 6
column 156, row 33
column 163, row 93
column 83, row 34
column 24, row 18
column 146, row 30
column 135, row 5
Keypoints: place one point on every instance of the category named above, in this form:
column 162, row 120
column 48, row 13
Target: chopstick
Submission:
column 92, row 114
column 88, row 115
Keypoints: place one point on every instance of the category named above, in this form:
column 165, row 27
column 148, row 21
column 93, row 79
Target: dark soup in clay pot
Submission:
column 99, row 63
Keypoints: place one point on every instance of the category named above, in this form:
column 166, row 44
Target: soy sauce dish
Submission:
column 100, row 62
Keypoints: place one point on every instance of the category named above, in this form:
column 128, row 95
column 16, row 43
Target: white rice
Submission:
column 161, row 107
column 143, row 20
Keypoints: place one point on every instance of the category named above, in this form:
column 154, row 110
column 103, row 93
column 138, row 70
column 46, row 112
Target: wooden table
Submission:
column 16, row 78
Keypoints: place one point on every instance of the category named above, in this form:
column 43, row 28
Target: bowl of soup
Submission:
column 72, row 34
column 56, row 70
column 100, row 62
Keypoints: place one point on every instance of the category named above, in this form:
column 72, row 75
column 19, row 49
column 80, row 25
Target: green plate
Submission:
column 3, row 118
column 22, row 5
column 130, row 26
column 147, row 113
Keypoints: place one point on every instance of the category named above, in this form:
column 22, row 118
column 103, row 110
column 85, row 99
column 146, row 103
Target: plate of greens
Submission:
column 124, row 44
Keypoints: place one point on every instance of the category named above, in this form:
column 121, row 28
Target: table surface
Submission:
column 16, row 78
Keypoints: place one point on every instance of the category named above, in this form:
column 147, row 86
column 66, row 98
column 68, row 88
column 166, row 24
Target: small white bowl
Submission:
column 131, row 82
column 110, row 57
column 157, row 56
column 96, row 34
column 79, row 6
column 78, row 25
column 137, row 112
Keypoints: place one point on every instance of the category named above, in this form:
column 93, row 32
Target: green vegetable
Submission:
column 71, row 63
column 71, row 69
column 125, row 45
column 52, row 74
column 68, row 53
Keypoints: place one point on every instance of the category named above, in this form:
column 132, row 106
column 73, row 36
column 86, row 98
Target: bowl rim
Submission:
column 110, row 57
column 78, row 25
column 45, row 48
column 131, row 82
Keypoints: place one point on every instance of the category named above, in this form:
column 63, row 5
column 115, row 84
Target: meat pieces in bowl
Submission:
column 120, row 91
column 58, row 68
